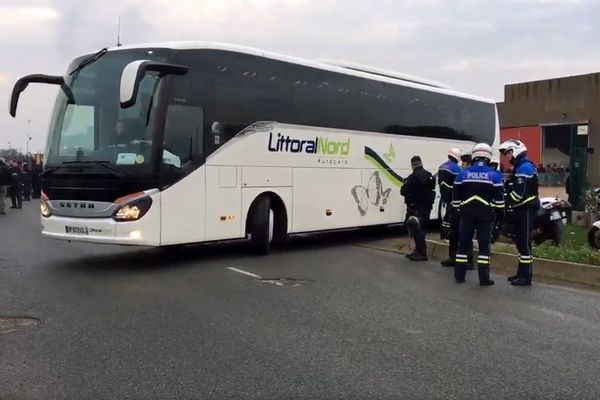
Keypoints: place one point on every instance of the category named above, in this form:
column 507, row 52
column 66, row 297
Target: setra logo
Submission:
column 319, row 145
column 77, row 205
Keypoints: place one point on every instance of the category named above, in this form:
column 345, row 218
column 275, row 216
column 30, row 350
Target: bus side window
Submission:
column 183, row 140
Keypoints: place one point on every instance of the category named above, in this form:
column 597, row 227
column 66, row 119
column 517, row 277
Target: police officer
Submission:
column 522, row 198
column 495, row 165
column 419, row 194
column 477, row 193
column 465, row 162
column 447, row 173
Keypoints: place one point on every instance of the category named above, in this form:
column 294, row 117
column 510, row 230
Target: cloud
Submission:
column 474, row 46
column 16, row 17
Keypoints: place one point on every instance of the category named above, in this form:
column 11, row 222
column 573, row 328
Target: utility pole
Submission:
column 28, row 138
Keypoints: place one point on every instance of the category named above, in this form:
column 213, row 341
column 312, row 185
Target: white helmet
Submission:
column 495, row 162
column 515, row 146
column 455, row 153
column 481, row 150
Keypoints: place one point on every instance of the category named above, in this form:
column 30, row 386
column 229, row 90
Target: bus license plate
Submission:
column 555, row 215
column 77, row 230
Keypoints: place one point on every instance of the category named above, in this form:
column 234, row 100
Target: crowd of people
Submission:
column 20, row 181
column 476, row 199
column 548, row 175
column 553, row 174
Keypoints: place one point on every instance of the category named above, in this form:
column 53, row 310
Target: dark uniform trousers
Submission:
column 525, row 215
column 446, row 222
column 416, row 220
column 16, row 195
column 469, row 224
column 453, row 236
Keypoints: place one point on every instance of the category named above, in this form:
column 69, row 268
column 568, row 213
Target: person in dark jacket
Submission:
column 26, row 180
column 419, row 194
column 36, row 181
column 4, row 182
column 16, row 186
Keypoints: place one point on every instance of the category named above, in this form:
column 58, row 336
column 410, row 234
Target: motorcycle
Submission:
column 594, row 232
column 549, row 222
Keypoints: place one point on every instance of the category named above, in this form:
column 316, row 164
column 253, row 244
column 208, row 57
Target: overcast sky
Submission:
column 475, row 46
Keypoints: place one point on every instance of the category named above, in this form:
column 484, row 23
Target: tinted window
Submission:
column 239, row 89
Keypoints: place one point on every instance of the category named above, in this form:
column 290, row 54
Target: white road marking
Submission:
column 239, row 271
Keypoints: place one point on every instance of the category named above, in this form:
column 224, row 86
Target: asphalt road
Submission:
column 148, row 324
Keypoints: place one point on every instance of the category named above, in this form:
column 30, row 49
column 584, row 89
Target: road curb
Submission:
column 505, row 263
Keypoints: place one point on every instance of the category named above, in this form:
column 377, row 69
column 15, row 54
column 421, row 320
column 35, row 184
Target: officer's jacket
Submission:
column 478, row 190
column 419, row 190
column 447, row 174
column 524, row 184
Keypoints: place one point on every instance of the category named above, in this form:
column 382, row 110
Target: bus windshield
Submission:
column 93, row 128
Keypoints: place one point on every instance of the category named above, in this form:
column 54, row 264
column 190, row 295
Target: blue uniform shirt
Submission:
column 524, row 189
column 447, row 173
column 478, row 190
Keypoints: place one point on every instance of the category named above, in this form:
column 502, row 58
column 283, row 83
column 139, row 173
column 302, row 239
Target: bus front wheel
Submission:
column 261, row 225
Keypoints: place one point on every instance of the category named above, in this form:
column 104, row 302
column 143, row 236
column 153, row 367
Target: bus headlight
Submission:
column 44, row 209
column 134, row 210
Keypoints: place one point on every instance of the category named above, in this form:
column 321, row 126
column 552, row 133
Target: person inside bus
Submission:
column 123, row 135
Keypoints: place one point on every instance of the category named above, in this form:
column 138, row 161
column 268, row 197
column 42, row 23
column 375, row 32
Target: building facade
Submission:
column 559, row 121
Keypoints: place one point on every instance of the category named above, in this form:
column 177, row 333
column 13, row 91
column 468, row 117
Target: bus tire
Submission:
column 261, row 225
column 280, row 235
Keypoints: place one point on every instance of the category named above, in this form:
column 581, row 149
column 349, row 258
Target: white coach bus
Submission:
column 185, row 142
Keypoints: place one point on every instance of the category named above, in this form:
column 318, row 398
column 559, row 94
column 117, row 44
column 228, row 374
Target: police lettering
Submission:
column 478, row 175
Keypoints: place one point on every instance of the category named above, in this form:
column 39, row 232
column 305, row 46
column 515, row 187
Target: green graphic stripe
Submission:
column 386, row 170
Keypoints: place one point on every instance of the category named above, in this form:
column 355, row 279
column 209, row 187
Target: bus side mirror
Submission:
column 134, row 72
column 22, row 84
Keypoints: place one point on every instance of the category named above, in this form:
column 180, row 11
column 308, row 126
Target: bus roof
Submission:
column 339, row 67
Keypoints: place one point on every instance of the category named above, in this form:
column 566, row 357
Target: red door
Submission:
column 531, row 136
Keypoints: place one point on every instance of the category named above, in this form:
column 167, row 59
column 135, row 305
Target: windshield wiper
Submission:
column 91, row 59
column 115, row 172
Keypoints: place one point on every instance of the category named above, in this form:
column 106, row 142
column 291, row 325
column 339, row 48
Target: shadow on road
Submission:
column 186, row 256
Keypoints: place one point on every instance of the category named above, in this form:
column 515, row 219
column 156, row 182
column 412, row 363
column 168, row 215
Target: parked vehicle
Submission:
column 549, row 223
column 594, row 232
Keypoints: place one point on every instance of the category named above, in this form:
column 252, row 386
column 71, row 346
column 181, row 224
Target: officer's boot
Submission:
column 450, row 261
column 484, row 275
column 460, row 272
column 521, row 271
column 420, row 254
column 452, row 247
column 523, row 276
